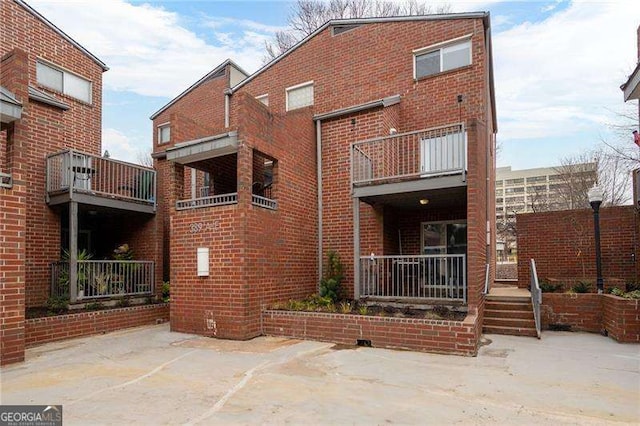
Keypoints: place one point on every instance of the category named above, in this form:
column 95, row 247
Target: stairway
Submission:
column 511, row 315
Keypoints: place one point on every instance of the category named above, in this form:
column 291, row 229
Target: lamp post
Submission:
column 595, row 199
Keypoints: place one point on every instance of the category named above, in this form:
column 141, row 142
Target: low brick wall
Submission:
column 581, row 311
column 62, row 327
column 622, row 318
column 451, row 337
column 595, row 313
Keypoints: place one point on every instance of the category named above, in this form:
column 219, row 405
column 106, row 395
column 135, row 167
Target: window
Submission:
column 442, row 57
column 264, row 99
column 515, row 181
column 164, row 133
column 63, row 82
column 299, row 96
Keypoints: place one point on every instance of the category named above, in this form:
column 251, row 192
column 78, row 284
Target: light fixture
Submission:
column 596, row 195
column 424, row 201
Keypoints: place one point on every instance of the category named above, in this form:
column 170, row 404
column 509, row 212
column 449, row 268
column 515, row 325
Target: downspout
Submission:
column 319, row 178
column 227, row 95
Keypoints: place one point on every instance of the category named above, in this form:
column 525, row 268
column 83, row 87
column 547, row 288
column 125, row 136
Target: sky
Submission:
column 558, row 64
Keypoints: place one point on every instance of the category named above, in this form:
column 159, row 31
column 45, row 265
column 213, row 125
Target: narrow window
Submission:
column 299, row 96
column 264, row 99
column 164, row 133
column 442, row 57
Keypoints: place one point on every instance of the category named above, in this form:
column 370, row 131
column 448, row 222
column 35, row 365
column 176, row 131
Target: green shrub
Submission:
column 617, row 292
column 363, row 310
column 94, row 306
column 632, row 295
column 166, row 291
column 345, row 307
column 123, row 302
column 549, row 287
column 57, row 304
column 632, row 286
column 582, row 287
column 330, row 284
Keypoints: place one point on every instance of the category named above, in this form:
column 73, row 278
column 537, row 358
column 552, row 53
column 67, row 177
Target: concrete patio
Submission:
column 152, row 376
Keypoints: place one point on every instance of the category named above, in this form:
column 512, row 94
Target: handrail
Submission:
column 536, row 296
column 486, row 280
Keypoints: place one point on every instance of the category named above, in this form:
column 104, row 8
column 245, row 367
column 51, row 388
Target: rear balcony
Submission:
column 99, row 181
column 414, row 161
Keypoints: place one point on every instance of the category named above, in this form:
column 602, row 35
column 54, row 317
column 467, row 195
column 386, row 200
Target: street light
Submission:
column 595, row 199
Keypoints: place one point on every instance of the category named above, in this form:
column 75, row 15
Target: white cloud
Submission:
column 119, row 145
column 148, row 49
column 562, row 75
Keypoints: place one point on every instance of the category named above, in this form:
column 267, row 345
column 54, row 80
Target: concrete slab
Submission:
column 152, row 376
column 512, row 291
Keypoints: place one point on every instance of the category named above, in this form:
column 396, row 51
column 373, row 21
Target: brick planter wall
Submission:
column 619, row 317
column 451, row 337
column 622, row 318
column 62, row 327
column 583, row 312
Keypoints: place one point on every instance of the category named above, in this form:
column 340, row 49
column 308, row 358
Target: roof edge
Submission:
column 64, row 35
column 434, row 17
column 45, row 98
column 384, row 102
column 196, row 84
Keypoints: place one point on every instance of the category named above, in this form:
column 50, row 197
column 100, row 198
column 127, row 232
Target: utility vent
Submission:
column 339, row 29
column 363, row 342
column 216, row 75
column 6, row 181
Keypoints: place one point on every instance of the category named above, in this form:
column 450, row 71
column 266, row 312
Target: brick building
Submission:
column 371, row 137
column 57, row 194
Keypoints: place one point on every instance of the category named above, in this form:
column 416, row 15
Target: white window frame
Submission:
column 441, row 222
column 164, row 126
column 65, row 72
column 440, row 47
column 299, row 86
column 264, row 99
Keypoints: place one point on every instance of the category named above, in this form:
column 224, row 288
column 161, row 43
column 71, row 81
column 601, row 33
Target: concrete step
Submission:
column 512, row 331
column 510, row 322
column 494, row 298
column 499, row 313
column 508, row 306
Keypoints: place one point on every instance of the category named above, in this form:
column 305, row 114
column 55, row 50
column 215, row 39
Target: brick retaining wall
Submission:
column 451, row 337
column 622, row 318
column 62, row 327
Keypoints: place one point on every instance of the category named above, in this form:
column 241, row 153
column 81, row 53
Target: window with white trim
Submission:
column 264, row 99
column 430, row 61
column 164, row 133
column 299, row 96
column 63, row 82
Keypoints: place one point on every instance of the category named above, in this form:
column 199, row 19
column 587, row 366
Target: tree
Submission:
column 144, row 158
column 308, row 15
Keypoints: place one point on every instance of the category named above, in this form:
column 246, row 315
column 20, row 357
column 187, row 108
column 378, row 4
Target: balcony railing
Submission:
column 104, row 278
column 210, row 201
column 434, row 277
column 264, row 202
column 72, row 171
column 424, row 153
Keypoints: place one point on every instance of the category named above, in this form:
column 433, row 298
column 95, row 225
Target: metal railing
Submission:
column 72, row 171
column 424, row 153
column 104, row 278
column 487, row 286
column 442, row 277
column 536, row 296
column 264, row 202
column 214, row 200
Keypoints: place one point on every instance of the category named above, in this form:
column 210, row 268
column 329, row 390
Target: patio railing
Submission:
column 536, row 296
column 424, row 153
column 104, row 278
column 441, row 277
column 72, row 171
column 209, row 201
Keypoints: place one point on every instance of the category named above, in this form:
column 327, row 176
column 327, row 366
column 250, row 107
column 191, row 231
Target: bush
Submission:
column 632, row 286
column 617, row 292
column 582, row 287
column 549, row 287
column 330, row 284
column 57, row 304
column 94, row 306
column 166, row 291
column 635, row 294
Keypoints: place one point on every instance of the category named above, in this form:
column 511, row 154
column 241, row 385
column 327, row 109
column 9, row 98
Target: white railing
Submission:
column 487, row 286
column 536, row 296
column 264, row 202
column 214, row 200
column 441, row 277
column 72, row 171
column 424, row 153
column 104, row 278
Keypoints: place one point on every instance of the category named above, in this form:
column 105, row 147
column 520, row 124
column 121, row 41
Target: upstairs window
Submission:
column 164, row 133
column 63, row 82
column 299, row 96
column 442, row 57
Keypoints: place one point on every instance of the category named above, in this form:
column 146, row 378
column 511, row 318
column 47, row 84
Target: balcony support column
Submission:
column 356, row 248
column 73, row 251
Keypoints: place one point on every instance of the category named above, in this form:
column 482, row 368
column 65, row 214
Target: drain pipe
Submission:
column 227, row 95
column 319, row 178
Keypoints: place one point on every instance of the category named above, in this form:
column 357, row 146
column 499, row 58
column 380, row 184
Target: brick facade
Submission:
column 258, row 256
column 562, row 244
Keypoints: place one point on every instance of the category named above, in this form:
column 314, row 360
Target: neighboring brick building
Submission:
column 52, row 198
column 372, row 137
